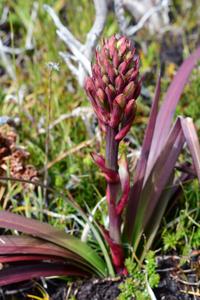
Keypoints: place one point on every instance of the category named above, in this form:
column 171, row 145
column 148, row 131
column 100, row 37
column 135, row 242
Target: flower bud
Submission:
column 116, row 115
column 121, row 100
column 119, row 83
column 129, row 90
column 114, row 83
column 129, row 109
column 101, row 95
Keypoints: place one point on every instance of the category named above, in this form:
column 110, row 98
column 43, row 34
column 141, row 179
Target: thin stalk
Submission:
column 47, row 140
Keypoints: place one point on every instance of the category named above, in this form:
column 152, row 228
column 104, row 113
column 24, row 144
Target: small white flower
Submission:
column 53, row 66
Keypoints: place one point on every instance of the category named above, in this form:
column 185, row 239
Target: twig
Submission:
column 80, row 57
column 29, row 44
column 191, row 293
column 61, row 27
column 6, row 62
column 13, row 51
column 67, row 59
column 185, row 282
column 4, row 15
column 97, row 28
column 139, row 8
column 120, row 13
column 133, row 29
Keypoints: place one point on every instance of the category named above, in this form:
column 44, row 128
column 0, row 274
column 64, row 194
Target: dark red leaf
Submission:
column 141, row 166
column 166, row 113
column 32, row 271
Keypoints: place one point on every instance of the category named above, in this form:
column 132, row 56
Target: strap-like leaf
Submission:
column 13, row 245
column 49, row 233
column 141, row 166
column 26, row 272
column 24, row 258
column 158, row 180
column 166, row 113
column 74, row 204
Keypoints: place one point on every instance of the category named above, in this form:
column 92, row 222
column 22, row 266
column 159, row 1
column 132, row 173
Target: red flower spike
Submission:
column 116, row 71
column 113, row 91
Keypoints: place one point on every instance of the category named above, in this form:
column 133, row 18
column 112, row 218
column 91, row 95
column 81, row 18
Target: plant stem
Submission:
column 113, row 188
column 47, row 140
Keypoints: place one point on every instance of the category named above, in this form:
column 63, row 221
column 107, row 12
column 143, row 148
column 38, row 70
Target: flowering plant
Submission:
column 134, row 211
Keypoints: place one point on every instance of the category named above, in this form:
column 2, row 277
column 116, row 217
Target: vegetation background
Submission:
column 39, row 93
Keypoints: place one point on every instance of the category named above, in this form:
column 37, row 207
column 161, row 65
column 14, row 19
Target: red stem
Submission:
column 113, row 188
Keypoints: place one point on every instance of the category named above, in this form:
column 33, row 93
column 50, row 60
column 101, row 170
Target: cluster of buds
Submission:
column 114, row 85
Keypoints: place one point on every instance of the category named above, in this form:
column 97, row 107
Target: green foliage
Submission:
column 135, row 284
column 182, row 234
column 153, row 277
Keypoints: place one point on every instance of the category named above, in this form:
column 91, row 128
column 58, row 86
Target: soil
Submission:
column 179, row 280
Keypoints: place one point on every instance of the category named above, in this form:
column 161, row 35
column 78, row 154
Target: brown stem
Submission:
column 113, row 188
